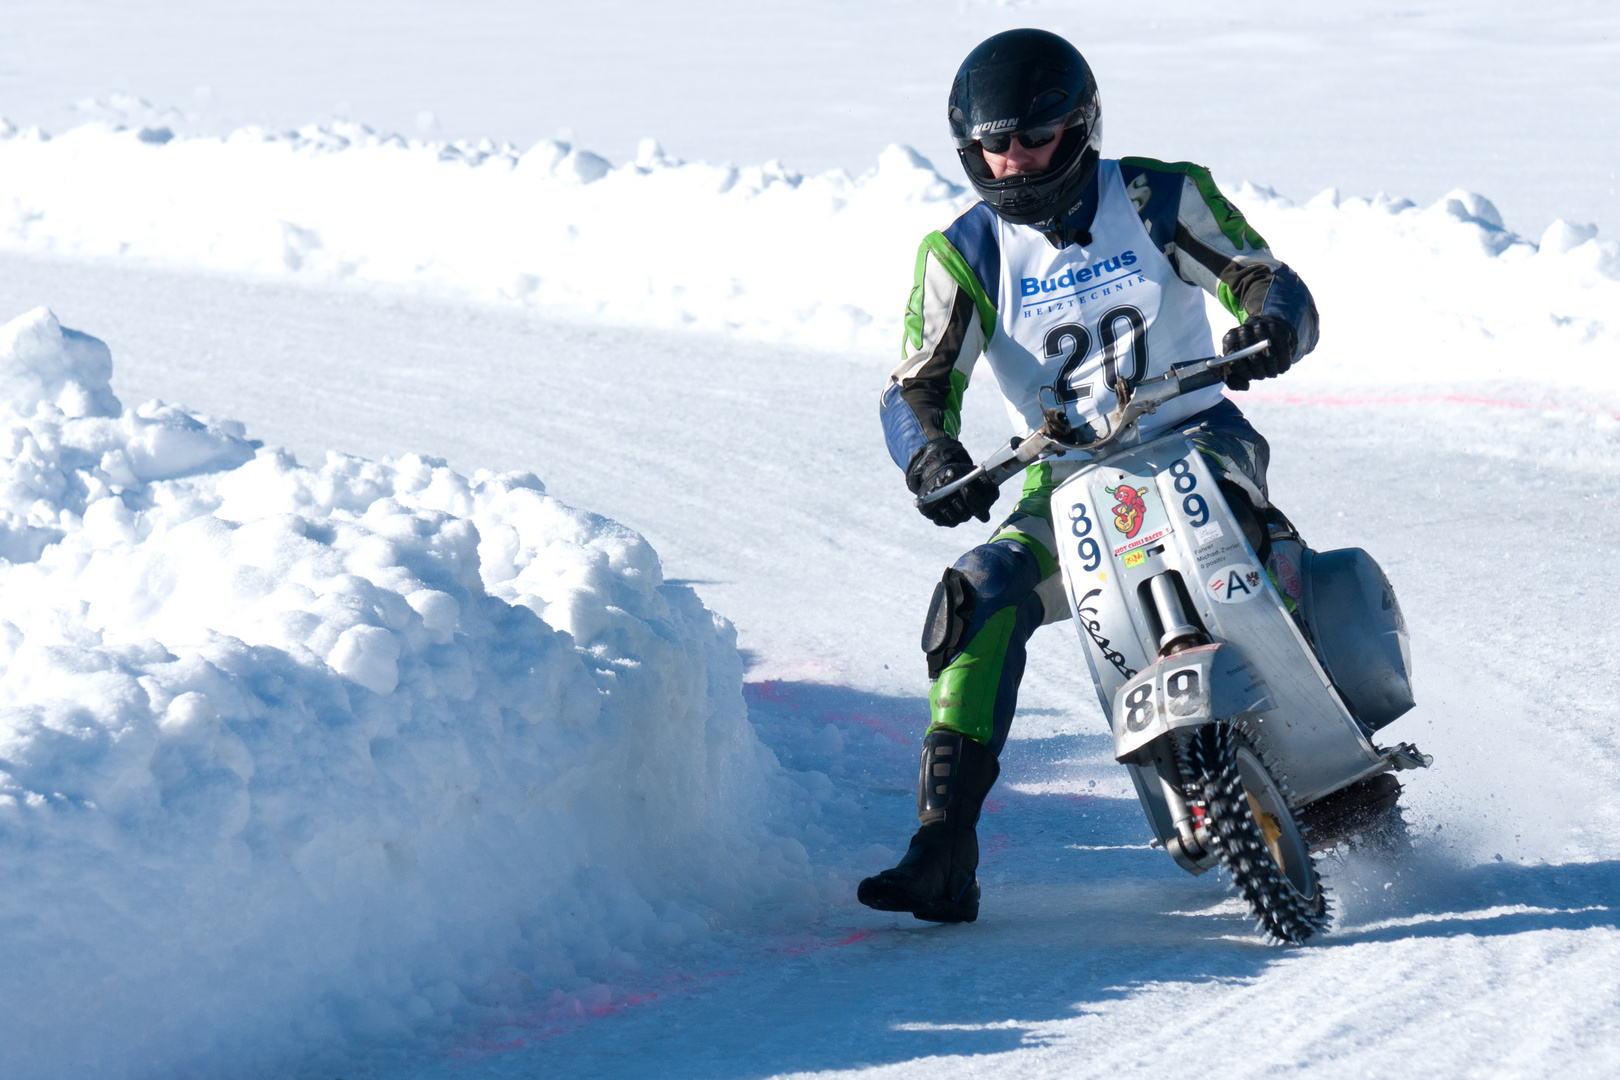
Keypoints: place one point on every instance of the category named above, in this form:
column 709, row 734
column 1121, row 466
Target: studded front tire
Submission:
column 1257, row 835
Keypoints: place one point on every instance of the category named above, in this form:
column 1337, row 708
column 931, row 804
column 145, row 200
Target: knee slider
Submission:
column 985, row 580
column 950, row 613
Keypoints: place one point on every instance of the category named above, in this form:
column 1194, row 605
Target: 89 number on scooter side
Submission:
column 1080, row 525
column 1192, row 504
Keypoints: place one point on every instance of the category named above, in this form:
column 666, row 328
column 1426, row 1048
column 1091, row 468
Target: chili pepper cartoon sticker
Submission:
column 1129, row 509
column 1138, row 514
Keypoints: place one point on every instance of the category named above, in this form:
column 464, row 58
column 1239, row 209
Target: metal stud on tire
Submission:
column 1258, row 835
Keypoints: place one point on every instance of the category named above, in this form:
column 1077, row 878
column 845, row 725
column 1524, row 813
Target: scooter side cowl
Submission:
column 1360, row 633
column 1191, row 688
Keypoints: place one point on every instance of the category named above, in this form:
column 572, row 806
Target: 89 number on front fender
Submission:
column 1210, row 682
column 1176, row 696
column 1185, row 689
column 1139, row 707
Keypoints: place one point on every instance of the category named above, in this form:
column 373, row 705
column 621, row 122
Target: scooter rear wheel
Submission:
column 1258, row 835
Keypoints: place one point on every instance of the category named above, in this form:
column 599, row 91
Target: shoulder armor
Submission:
column 1229, row 218
column 973, row 235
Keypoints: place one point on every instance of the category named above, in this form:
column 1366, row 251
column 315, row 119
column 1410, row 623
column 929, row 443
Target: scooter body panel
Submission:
column 1157, row 508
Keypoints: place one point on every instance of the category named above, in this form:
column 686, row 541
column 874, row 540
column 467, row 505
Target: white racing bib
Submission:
column 1082, row 318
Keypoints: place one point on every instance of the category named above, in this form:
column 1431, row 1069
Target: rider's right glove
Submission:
column 1271, row 362
column 938, row 463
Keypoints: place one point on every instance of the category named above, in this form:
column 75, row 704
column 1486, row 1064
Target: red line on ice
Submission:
column 771, row 692
column 872, row 723
column 800, row 946
column 768, row 691
column 567, row 1013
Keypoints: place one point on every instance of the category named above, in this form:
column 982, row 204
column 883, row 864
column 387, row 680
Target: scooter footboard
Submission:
column 1193, row 687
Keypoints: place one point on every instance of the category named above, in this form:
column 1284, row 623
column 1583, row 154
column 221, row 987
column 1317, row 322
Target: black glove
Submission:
column 1269, row 362
column 938, row 463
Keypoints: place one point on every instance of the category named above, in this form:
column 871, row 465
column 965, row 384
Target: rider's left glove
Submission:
column 1269, row 362
column 938, row 463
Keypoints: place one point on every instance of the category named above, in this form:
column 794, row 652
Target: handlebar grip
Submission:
column 1204, row 378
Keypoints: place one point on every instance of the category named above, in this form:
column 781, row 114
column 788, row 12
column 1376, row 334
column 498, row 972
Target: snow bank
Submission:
column 1445, row 294
column 292, row 757
column 1407, row 293
column 760, row 249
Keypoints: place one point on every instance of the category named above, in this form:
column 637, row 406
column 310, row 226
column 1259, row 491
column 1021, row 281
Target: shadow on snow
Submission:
column 1077, row 911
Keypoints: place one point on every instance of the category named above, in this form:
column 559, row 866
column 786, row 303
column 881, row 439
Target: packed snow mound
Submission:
column 292, row 757
column 1445, row 294
column 759, row 249
column 1406, row 292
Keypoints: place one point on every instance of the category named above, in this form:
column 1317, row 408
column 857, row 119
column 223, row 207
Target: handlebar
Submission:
column 1210, row 377
column 1047, row 440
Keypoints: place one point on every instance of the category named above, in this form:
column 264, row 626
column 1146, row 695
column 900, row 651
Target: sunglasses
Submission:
column 1035, row 135
column 1029, row 140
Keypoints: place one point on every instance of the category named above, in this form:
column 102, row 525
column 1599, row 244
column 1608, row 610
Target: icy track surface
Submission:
column 1491, row 952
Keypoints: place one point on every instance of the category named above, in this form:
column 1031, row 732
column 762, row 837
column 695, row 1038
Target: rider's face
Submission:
column 1020, row 159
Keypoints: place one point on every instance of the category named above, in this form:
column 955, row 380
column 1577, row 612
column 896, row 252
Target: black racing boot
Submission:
column 936, row 879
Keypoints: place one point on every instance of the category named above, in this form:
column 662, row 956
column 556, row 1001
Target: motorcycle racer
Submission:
column 1084, row 275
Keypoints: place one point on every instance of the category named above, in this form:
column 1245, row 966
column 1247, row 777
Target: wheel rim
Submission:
column 1276, row 821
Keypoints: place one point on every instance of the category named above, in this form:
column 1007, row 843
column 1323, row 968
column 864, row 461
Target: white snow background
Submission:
column 400, row 765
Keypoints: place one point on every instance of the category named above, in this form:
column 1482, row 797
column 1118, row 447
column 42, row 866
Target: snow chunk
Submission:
column 370, row 656
column 40, row 363
column 1470, row 206
column 66, row 443
column 1561, row 236
column 650, row 155
column 581, row 167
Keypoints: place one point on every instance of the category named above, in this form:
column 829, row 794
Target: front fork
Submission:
column 1187, row 839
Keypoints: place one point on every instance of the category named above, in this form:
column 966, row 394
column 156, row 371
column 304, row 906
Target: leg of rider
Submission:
column 1240, row 455
column 982, row 614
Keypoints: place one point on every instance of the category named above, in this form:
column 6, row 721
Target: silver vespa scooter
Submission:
column 1245, row 718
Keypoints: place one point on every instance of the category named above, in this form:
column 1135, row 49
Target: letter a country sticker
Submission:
column 1234, row 583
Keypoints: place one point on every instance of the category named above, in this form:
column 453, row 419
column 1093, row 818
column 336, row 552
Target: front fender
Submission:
column 1193, row 687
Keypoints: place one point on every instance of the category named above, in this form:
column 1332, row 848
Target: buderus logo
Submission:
column 1075, row 276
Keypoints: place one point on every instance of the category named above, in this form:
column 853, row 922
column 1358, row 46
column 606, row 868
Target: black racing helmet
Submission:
column 1034, row 86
